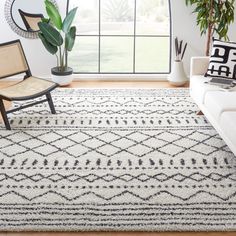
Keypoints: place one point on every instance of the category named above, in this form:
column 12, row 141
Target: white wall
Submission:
column 39, row 59
column 184, row 26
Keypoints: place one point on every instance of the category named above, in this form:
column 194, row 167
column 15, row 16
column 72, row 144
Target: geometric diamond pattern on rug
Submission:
column 108, row 150
column 139, row 150
column 123, row 143
column 93, row 143
column 63, row 143
column 13, row 149
column 139, row 137
column 109, row 136
column 49, row 137
column 185, row 142
column 171, row 149
column 77, row 150
column 31, row 143
column 46, row 149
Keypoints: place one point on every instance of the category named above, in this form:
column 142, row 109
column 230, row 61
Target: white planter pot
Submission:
column 62, row 78
column 177, row 76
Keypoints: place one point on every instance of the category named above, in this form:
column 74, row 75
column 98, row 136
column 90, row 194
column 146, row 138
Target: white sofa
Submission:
column 218, row 106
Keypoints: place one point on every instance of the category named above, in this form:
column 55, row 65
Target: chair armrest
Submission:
column 199, row 65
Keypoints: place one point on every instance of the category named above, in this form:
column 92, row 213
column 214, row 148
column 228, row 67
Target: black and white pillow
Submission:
column 223, row 60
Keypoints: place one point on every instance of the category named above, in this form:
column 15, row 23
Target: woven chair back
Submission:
column 33, row 22
column 12, row 59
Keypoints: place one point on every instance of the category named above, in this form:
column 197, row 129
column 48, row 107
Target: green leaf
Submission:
column 45, row 20
column 53, row 14
column 70, row 38
column 50, row 48
column 213, row 15
column 50, row 34
column 68, row 20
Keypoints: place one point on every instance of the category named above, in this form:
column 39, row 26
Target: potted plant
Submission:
column 58, row 37
column 213, row 16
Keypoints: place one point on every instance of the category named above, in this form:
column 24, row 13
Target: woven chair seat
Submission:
column 29, row 88
column 13, row 62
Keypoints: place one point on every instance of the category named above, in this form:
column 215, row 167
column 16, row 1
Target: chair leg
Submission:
column 50, row 103
column 4, row 115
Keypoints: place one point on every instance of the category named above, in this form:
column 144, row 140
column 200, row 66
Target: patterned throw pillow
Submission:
column 223, row 60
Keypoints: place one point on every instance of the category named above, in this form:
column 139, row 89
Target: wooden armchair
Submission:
column 13, row 62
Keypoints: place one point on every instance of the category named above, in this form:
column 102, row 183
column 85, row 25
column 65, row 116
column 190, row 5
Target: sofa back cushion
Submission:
column 223, row 60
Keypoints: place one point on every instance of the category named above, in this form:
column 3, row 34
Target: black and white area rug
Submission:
column 116, row 159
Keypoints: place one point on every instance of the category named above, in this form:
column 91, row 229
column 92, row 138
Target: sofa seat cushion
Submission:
column 228, row 125
column 217, row 102
column 198, row 88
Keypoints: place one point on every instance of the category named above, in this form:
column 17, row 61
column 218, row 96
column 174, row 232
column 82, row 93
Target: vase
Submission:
column 177, row 76
column 62, row 78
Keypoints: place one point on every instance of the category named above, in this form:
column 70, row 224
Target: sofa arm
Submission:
column 199, row 65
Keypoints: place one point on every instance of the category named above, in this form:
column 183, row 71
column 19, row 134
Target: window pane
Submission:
column 84, row 56
column 87, row 17
column 117, row 17
column 152, row 54
column 117, row 54
column 118, row 31
column 153, row 17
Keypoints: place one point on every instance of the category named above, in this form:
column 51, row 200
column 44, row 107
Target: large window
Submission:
column 122, row 36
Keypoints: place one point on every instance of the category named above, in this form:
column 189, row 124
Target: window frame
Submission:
column 134, row 49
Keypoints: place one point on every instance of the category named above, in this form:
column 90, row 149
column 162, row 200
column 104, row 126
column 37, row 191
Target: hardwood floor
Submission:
column 109, row 84
column 122, row 84
column 114, row 84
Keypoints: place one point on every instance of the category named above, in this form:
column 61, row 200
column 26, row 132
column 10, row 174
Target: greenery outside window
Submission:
column 122, row 37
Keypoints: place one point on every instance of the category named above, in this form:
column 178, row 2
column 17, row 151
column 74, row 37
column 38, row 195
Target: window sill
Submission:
column 121, row 77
